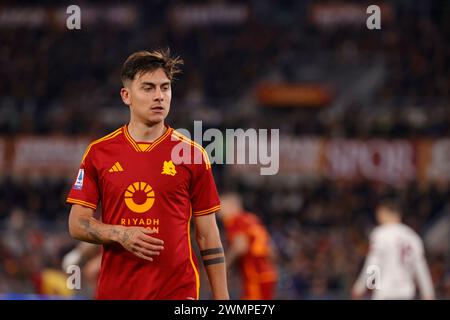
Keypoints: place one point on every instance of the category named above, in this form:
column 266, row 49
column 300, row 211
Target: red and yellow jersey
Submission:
column 256, row 265
column 140, row 185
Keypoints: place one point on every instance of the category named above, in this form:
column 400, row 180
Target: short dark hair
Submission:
column 392, row 205
column 148, row 61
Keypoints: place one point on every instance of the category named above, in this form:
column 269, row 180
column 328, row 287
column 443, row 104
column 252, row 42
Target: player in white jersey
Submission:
column 395, row 262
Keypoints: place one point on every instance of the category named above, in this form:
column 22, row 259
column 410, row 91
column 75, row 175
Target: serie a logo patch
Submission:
column 79, row 182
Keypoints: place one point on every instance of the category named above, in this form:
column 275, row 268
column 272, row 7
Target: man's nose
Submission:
column 158, row 94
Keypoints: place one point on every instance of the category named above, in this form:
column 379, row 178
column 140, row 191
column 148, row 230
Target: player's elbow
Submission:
column 208, row 239
column 75, row 221
column 202, row 237
column 74, row 230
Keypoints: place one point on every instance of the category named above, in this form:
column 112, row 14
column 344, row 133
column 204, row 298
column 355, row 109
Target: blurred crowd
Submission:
column 320, row 232
column 60, row 82
column 413, row 51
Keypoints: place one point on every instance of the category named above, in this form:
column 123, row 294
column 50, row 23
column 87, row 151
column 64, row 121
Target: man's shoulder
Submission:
column 107, row 139
column 411, row 233
column 379, row 232
column 197, row 153
column 177, row 136
column 250, row 217
column 103, row 142
column 394, row 231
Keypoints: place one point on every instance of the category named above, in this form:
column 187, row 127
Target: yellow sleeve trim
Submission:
column 207, row 211
column 81, row 202
column 107, row 137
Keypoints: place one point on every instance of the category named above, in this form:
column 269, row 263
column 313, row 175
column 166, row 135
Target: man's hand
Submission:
column 138, row 241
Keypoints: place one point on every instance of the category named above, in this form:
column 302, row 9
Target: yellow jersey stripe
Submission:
column 200, row 211
column 195, row 144
column 107, row 137
column 119, row 166
column 192, row 142
column 83, row 203
column 205, row 154
column 199, row 147
column 197, row 277
column 203, row 212
column 130, row 139
column 157, row 141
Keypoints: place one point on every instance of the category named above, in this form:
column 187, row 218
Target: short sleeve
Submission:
column 84, row 190
column 204, row 196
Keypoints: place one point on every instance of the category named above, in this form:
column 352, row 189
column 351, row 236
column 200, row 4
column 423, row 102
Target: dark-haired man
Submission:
column 147, row 199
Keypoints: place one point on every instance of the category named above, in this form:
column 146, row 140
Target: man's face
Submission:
column 148, row 96
column 229, row 206
column 382, row 214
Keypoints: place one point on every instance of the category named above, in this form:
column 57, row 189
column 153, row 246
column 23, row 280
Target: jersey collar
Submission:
column 151, row 146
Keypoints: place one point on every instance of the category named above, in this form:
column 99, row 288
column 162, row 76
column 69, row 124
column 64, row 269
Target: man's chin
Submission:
column 155, row 120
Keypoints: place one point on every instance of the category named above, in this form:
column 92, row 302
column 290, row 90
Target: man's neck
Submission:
column 143, row 133
column 391, row 221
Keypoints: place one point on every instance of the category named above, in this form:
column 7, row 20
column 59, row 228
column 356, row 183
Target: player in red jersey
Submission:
column 147, row 198
column 249, row 244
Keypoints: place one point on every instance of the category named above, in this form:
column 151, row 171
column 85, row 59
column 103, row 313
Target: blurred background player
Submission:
column 249, row 246
column 397, row 252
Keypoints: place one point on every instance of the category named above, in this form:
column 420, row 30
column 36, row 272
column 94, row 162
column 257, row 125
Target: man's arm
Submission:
column 359, row 287
column 372, row 260
column 208, row 240
column 423, row 277
column 84, row 227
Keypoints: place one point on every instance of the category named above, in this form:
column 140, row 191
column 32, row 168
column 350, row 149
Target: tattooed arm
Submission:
column 208, row 240
column 83, row 226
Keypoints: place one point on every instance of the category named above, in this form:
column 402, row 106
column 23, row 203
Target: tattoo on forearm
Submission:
column 212, row 251
column 114, row 233
column 86, row 224
column 125, row 236
column 214, row 261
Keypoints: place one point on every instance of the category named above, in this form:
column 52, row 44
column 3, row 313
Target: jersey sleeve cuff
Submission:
column 207, row 211
column 82, row 202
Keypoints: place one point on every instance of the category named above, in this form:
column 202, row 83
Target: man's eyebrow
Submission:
column 148, row 83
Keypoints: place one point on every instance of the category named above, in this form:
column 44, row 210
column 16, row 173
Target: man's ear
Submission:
column 126, row 96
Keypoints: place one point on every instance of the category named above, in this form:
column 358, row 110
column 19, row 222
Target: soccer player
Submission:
column 147, row 198
column 249, row 245
column 395, row 261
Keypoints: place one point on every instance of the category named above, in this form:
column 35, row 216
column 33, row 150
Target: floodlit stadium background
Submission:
column 361, row 113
